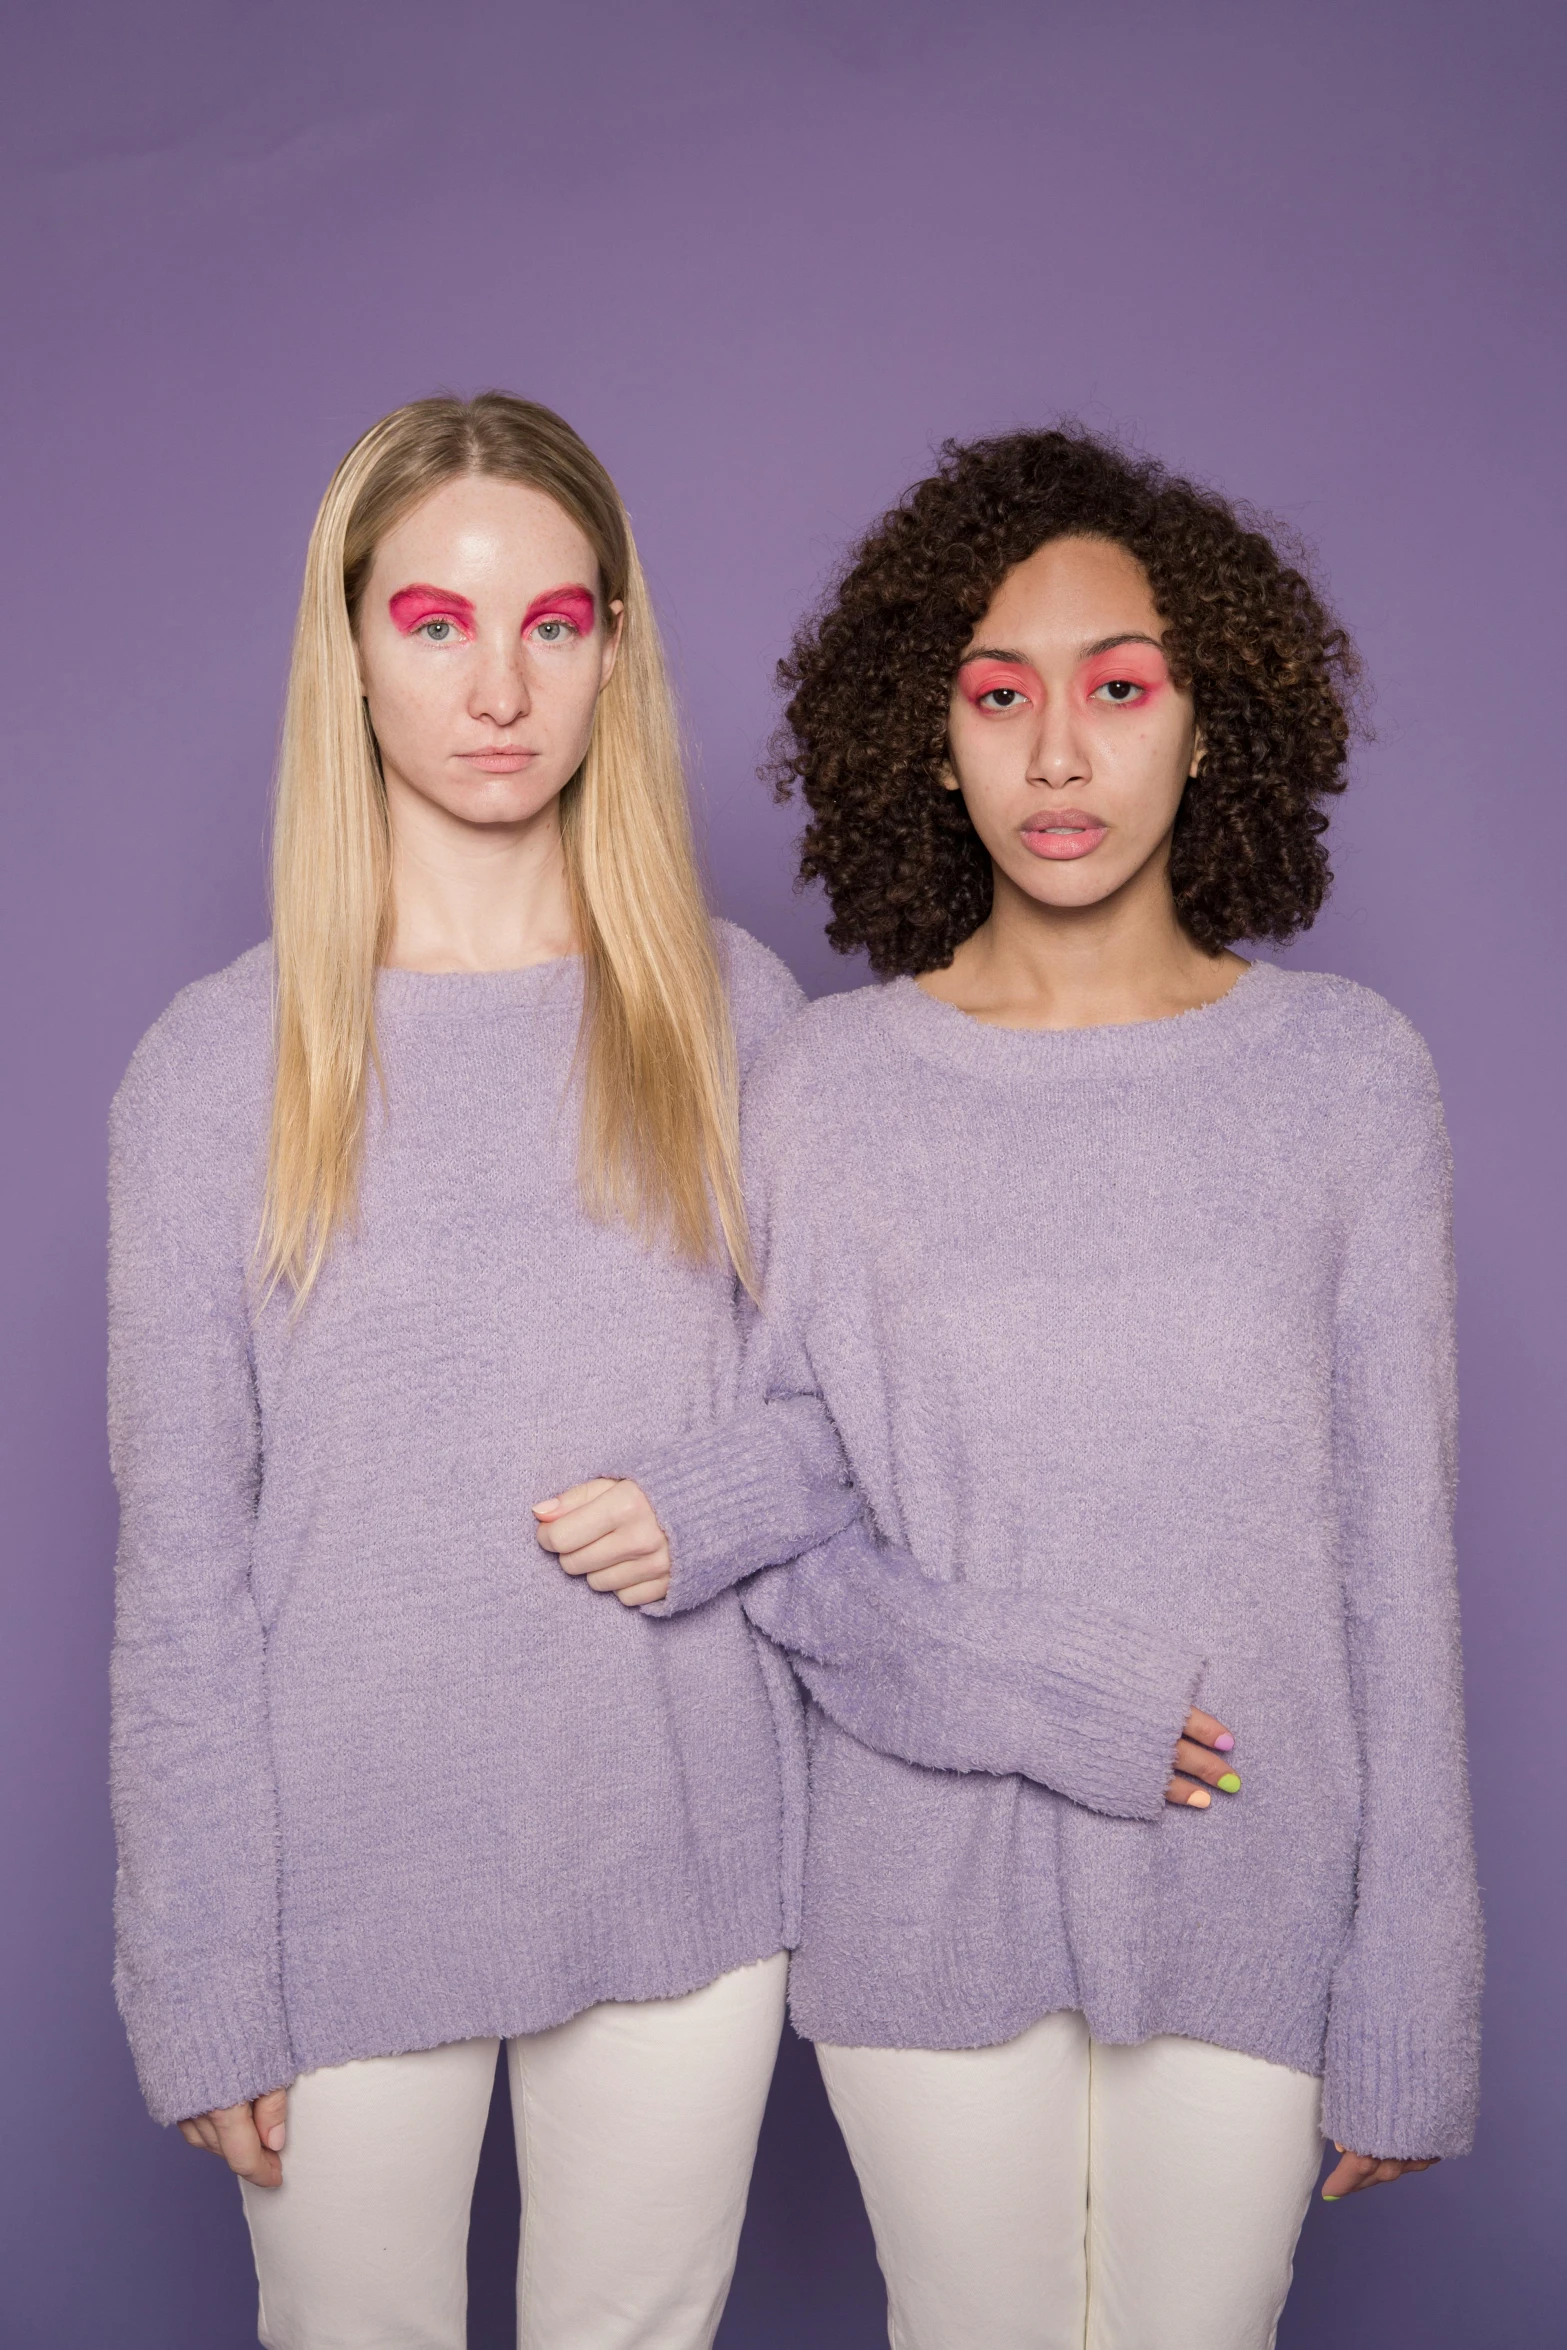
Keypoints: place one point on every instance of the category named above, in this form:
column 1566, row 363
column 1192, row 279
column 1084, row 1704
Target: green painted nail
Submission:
column 1332, row 2198
column 1230, row 1784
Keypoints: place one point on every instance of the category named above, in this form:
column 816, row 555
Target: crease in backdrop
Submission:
column 765, row 257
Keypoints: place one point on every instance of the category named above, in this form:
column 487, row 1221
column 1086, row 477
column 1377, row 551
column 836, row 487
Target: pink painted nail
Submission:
column 1224, row 1742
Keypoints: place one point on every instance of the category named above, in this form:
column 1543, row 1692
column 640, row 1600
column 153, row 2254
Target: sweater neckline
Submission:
column 422, row 995
column 942, row 1033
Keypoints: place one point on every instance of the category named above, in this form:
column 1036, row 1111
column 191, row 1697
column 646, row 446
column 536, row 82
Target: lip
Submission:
column 1079, row 834
column 502, row 760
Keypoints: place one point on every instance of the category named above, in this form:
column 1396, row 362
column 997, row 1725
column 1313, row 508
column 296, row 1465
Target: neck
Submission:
column 1103, row 966
column 476, row 897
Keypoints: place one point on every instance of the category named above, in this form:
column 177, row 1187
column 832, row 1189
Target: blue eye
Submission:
column 436, row 631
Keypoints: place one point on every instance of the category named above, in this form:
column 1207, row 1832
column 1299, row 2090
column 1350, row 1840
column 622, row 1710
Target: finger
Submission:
column 1187, row 1792
column 271, row 2112
column 243, row 2151
column 1200, row 1762
column 618, row 1550
column 191, row 2133
column 645, row 1594
column 623, row 1512
column 1208, row 1730
column 589, row 1522
column 206, row 2136
column 572, row 1498
column 1347, row 2177
column 625, row 1572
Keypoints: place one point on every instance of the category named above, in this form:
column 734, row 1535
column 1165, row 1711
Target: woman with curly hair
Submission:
column 1121, row 1265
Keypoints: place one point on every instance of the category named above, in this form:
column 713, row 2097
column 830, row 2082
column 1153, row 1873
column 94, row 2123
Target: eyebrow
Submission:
column 562, row 600
column 446, row 597
column 1129, row 636
column 1106, row 644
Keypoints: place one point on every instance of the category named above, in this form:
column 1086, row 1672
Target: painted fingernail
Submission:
column 1199, row 1799
column 1230, row 1783
column 1332, row 2198
column 1224, row 1742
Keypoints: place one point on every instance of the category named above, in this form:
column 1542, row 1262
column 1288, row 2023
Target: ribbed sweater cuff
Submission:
column 749, row 1492
column 194, row 2057
column 1396, row 2088
column 1112, row 1703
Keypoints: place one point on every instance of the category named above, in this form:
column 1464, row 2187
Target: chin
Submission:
column 1068, row 886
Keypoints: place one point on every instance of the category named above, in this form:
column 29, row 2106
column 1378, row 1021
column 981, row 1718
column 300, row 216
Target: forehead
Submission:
column 1071, row 591
column 475, row 533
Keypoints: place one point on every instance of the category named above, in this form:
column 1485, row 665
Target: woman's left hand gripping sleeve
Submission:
column 1402, row 2070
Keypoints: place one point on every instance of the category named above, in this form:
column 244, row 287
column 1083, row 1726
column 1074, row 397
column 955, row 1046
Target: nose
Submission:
column 1059, row 754
column 500, row 683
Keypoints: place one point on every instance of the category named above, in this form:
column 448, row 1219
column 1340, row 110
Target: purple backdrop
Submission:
column 764, row 256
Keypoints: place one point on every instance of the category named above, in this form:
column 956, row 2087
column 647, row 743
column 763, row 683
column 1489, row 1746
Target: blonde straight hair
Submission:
column 658, row 1146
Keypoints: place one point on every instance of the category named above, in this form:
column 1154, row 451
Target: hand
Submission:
column 248, row 2137
column 606, row 1530
column 1202, row 1760
column 1365, row 2170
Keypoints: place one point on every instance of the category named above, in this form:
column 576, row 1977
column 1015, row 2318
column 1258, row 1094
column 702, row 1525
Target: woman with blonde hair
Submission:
column 412, row 1207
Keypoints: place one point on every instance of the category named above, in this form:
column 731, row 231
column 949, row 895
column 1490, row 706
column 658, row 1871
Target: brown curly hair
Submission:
column 1271, row 673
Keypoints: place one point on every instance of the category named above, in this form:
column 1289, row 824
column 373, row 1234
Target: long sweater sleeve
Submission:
column 936, row 1671
column 197, row 1974
column 1403, row 2024
column 748, row 1491
column 954, row 1677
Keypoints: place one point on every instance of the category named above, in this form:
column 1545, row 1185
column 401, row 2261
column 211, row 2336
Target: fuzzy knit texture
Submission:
column 383, row 1776
column 1139, row 1341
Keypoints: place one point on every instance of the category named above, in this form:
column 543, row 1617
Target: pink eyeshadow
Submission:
column 412, row 606
column 574, row 605
column 977, row 678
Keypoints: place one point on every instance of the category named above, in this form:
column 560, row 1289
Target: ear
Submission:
column 615, row 612
column 1199, row 753
column 946, row 778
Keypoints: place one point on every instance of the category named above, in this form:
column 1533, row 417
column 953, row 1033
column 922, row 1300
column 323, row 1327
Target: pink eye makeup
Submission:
column 1014, row 683
column 1125, row 678
column 574, row 605
column 411, row 607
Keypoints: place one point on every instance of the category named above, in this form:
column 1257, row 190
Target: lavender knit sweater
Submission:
column 383, row 1777
column 1139, row 1340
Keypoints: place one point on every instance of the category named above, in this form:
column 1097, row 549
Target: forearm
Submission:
column 952, row 1677
column 197, row 1965
column 197, row 1974
column 1402, row 2070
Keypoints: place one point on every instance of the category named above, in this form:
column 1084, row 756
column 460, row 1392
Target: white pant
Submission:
column 1061, row 2194
column 636, row 2128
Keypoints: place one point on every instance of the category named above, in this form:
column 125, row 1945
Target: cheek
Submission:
column 411, row 703
column 990, row 767
column 1146, row 753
